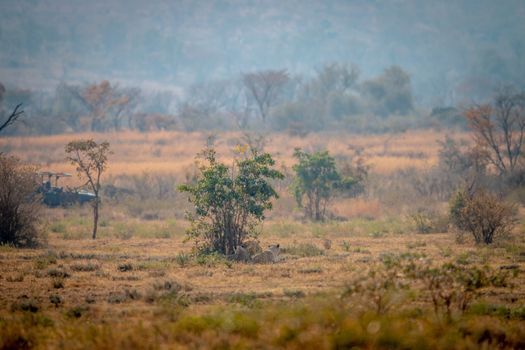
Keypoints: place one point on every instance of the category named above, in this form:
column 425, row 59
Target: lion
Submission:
column 241, row 254
column 252, row 247
column 269, row 256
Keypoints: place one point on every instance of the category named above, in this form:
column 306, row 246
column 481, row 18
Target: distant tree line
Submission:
column 333, row 98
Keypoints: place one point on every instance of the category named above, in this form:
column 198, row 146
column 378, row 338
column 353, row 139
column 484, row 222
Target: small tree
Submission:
column 499, row 129
column 389, row 93
column 482, row 214
column 316, row 179
column 90, row 160
column 230, row 201
column 108, row 104
column 19, row 206
column 265, row 87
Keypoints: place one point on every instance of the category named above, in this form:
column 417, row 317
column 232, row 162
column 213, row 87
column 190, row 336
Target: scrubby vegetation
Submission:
column 19, row 203
column 482, row 214
column 229, row 202
column 361, row 184
column 390, row 264
column 394, row 300
column 316, row 180
column 90, row 160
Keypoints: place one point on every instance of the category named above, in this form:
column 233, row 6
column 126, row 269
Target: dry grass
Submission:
column 141, row 283
column 357, row 207
column 94, row 271
column 174, row 152
column 141, row 286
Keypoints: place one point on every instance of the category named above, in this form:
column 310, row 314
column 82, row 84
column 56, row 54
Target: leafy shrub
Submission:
column 429, row 222
column 482, row 214
column 19, row 204
column 316, row 179
column 230, row 201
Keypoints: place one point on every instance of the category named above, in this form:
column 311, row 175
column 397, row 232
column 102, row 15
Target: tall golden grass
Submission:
column 174, row 151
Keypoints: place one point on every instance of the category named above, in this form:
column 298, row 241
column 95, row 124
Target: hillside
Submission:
column 452, row 49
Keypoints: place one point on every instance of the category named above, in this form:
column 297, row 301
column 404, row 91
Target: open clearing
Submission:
column 150, row 293
column 140, row 285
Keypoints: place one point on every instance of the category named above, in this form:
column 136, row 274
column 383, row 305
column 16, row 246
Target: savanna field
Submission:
column 384, row 270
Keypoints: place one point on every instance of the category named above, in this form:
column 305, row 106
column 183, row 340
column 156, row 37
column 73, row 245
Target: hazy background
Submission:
column 453, row 51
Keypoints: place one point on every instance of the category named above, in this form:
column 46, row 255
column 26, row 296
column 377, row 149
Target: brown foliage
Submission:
column 19, row 207
column 482, row 214
column 500, row 129
column 107, row 104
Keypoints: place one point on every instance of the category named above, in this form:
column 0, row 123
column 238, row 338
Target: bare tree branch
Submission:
column 13, row 117
column 500, row 129
column 264, row 87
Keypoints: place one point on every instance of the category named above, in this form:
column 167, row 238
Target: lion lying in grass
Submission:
column 269, row 256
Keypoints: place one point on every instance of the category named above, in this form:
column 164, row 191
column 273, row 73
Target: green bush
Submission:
column 230, row 200
column 316, row 180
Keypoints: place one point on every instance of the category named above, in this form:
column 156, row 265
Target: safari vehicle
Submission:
column 54, row 196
